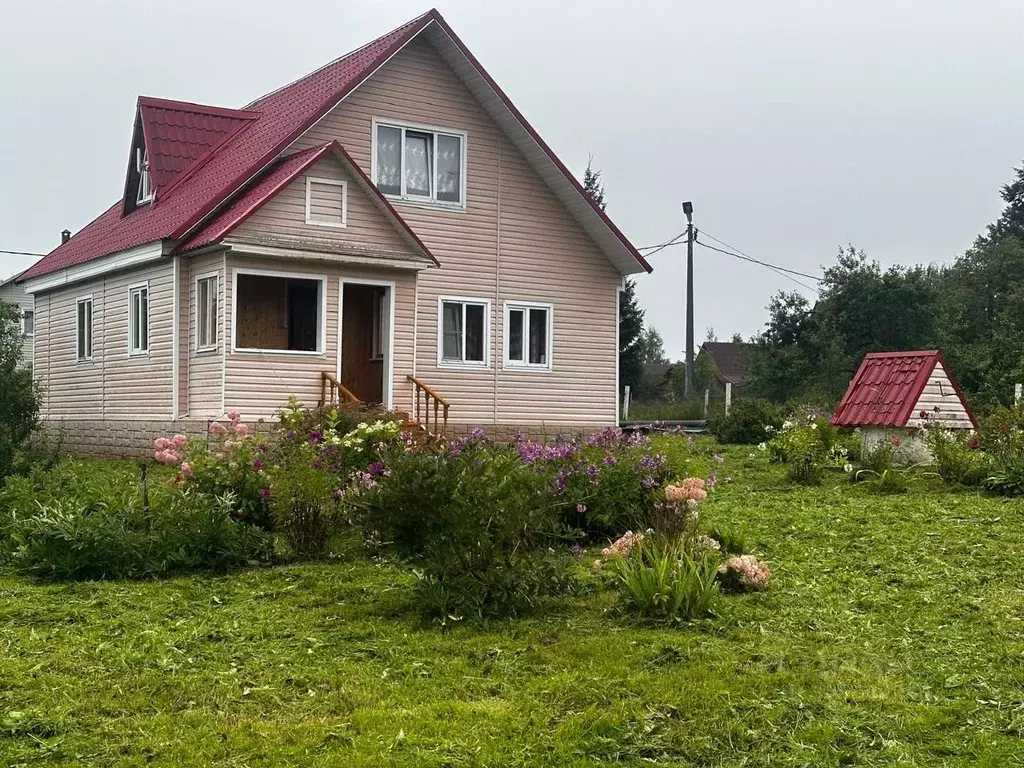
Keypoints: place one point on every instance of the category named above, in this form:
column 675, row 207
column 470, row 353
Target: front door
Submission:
column 365, row 316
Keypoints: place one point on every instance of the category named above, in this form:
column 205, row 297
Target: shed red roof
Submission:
column 886, row 387
column 203, row 169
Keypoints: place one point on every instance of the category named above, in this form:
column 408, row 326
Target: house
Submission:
column 724, row 360
column 388, row 228
column 13, row 292
column 893, row 394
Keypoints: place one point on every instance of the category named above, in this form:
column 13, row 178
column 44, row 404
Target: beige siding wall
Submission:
column 514, row 241
column 367, row 231
column 113, row 384
column 939, row 394
column 203, row 370
column 13, row 293
column 259, row 383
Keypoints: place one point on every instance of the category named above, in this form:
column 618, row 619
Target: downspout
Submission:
column 175, row 335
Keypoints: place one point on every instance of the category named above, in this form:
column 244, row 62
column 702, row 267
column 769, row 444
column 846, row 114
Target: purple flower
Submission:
column 318, row 464
column 578, row 550
column 520, row 438
column 266, row 493
column 593, row 472
column 581, row 508
column 316, row 436
column 290, row 435
column 477, row 434
column 712, row 481
column 257, row 465
column 610, row 460
column 648, row 482
column 377, row 468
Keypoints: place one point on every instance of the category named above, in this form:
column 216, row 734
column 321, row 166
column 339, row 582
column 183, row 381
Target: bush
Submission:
column 958, row 456
column 477, row 522
column 660, row 579
column 804, row 470
column 746, row 422
column 732, row 541
column 88, row 527
column 19, row 395
column 304, row 505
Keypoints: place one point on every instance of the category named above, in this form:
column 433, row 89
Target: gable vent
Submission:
column 326, row 202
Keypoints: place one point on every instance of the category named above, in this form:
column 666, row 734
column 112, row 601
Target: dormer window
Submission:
column 145, row 194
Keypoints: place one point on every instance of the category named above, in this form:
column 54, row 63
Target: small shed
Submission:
column 896, row 392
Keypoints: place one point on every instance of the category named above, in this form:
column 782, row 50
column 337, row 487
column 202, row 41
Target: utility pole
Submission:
column 688, row 210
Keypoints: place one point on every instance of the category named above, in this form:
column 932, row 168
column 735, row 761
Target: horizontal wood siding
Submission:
column 940, row 394
column 367, row 231
column 531, row 250
column 204, row 370
column 113, row 384
column 259, row 383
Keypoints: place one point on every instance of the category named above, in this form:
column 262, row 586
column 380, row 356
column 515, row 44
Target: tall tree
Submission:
column 652, row 346
column 631, row 316
column 19, row 396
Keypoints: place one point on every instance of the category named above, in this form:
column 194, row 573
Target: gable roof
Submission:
column 727, row 357
column 194, row 194
column 279, row 176
column 887, row 386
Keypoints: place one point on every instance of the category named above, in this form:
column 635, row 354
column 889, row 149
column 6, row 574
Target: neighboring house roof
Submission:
column 887, row 386
column 656, row 370
column 283, row 173
column 727, row 358
column 240, row 145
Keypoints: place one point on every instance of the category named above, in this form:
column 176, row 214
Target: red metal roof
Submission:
column 886, row 387
column 280, row 175
column 208, row 181
column 179, row 133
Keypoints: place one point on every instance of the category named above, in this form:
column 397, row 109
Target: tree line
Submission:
column 972, row 310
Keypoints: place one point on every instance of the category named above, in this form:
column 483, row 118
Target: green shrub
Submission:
column 746, row 422
column 86, row 526
column 733, row 541
column 888, row 481
column 957, row 456
column 19, row 395
column 476, row 522
column 804, row 470
column 304, row 504
column 876, row 459
column 661, row 580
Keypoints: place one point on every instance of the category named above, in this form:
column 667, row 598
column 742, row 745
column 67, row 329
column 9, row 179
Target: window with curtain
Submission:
column 463, row 331
column 528, row 335
column 419, row 164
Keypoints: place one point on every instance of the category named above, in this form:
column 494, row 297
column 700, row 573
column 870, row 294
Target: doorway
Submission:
column 365, row 340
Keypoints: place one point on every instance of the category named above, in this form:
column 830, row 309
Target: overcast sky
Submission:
column 794, row 126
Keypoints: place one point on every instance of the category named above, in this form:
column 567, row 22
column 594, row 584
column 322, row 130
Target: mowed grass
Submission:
column 892, row 635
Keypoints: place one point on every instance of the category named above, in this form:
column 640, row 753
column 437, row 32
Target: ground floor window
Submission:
column 380, row 322
column 138, row 320
column 528, row 335
column 206, row 312
column 463, row 331
column 83, row 326
column 278, row 313
column 28, row 322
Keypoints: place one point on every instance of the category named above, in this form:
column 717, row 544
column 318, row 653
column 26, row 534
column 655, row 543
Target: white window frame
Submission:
column 145, row 193
column 214, row 321
column 310, row 181
column 525, row 364
column 23, row 331
column 133, row 290
column 321, row 331
column 464, row 300
column 432, row 201
column 87, row 357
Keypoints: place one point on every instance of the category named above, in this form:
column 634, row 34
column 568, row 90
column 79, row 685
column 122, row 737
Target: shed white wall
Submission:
column 941, row 402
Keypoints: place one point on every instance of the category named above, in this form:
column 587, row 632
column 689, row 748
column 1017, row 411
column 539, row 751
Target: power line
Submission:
column 655, row 248
column 22, row 253
column 740, row 254
column 782, row 271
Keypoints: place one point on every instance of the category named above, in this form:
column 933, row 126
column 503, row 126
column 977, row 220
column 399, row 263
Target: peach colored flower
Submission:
column 746, row 572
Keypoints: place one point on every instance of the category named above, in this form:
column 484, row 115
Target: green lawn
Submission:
column 892, row 635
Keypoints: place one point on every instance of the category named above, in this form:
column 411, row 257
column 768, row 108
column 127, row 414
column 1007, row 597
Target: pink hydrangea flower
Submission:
column 242, row 430
column 216, row 428
column 234, row 415
column 746, row 572
column 179, row 441
column 161, row 444
column 622, row 546
column 186, row 469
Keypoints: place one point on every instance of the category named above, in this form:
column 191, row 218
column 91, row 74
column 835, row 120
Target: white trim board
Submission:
column 321, row 336
column 310, row 182
column 464, row 364
column 387, row 374
column 132, row 257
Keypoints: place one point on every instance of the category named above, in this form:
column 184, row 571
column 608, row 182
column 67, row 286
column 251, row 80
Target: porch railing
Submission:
column 333, row 392
column 423, row 393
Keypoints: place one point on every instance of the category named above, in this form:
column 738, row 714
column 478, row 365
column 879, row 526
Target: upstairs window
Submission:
column 83, row 326
column 28, row 322
column 138, row 320
column 145, row 194
column 463, row 330
column 420, row 164
column 528, row 335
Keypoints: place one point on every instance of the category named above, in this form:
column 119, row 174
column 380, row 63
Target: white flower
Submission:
column 787, row 425
column 762, row 446
column 814, row 425
column 752, row 456
column 848, row 467
column 769, row 428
